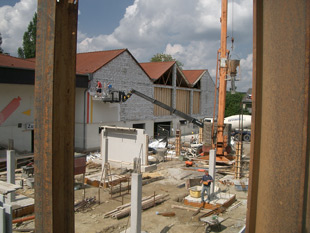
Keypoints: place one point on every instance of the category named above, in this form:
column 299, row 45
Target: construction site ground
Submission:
column 91, row 219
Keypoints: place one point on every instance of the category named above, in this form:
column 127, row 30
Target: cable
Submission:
column 232, row 25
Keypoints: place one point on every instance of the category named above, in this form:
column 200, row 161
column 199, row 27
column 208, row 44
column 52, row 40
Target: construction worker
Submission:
column 206, row 184
column 99, row 87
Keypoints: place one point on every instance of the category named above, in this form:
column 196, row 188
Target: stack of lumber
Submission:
column 147, row 202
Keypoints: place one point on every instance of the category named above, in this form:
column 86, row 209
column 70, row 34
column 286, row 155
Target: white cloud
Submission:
column 246, row 74
column 188, row 30
column 14, row 21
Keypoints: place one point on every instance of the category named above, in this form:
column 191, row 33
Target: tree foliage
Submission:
column 233, row 104
column 1, row 50
column 160, row 57
column 29, row 40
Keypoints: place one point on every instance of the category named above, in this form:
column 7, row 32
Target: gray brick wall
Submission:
column 124, row 74
column 207, row 95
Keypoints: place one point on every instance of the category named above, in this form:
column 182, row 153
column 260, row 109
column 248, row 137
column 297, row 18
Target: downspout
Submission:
column 84, row 120
column 90, row 77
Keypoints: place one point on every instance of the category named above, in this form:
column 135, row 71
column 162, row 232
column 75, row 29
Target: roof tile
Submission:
column 9, row 61
column 92, row 61
column 193, row 76
column 156, row 69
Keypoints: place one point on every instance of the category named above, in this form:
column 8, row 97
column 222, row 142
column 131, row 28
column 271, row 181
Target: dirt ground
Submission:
column 91, row 220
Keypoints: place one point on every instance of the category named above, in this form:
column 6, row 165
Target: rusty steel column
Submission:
column 279, row 199
column 54, row 115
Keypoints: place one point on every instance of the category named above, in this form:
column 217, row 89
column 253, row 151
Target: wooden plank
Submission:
column 6, row 188
column 196, row 102
column 183, row 100
column 163, row 95
column 191, row 208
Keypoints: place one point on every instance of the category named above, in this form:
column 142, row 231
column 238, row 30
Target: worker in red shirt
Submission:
column 99, row 87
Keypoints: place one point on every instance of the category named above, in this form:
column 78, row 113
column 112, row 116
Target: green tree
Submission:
column 233, row 104
column 1, row 50
column 159, row 57
column 29, row 40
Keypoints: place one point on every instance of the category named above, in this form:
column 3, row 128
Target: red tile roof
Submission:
column 193, row 76
column 156, row 69
column 8, row 61
column 92, row 61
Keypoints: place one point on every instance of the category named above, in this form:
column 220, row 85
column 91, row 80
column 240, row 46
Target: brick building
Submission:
column 191, row 92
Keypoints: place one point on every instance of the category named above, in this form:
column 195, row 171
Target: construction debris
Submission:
column 147, row 202
column 85, row 204
column 172, row 178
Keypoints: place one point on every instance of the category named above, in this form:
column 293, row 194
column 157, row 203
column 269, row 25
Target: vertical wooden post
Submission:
column 54, row 115
column 238, row 160
column 200, row 135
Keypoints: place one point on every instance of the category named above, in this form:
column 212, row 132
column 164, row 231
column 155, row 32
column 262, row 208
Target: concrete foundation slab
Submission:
column 219, row 199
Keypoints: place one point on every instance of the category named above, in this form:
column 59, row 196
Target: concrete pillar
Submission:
column 2, row 219
column 10, row 168
column 146, row 155
column 136, row 198
column 8, row 218
column 2, row 200
column 104, row 146
column 212, row 162
column 106, row 149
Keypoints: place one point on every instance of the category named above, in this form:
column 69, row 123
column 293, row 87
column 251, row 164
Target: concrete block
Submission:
column 148, row 168
column 30, row 182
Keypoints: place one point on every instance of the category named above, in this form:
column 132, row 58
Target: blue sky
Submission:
column 188, row 30
column 101, row 16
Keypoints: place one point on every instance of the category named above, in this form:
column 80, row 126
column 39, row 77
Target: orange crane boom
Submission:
column 222, row 85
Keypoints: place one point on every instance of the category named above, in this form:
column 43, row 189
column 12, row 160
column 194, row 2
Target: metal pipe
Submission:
column 20, row 220
column 84, row 121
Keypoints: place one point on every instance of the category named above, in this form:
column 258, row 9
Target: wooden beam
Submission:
column 54, row 115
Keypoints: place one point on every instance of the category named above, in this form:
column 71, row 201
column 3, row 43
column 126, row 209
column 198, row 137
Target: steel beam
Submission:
column 54, row 115
column 279, row 198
